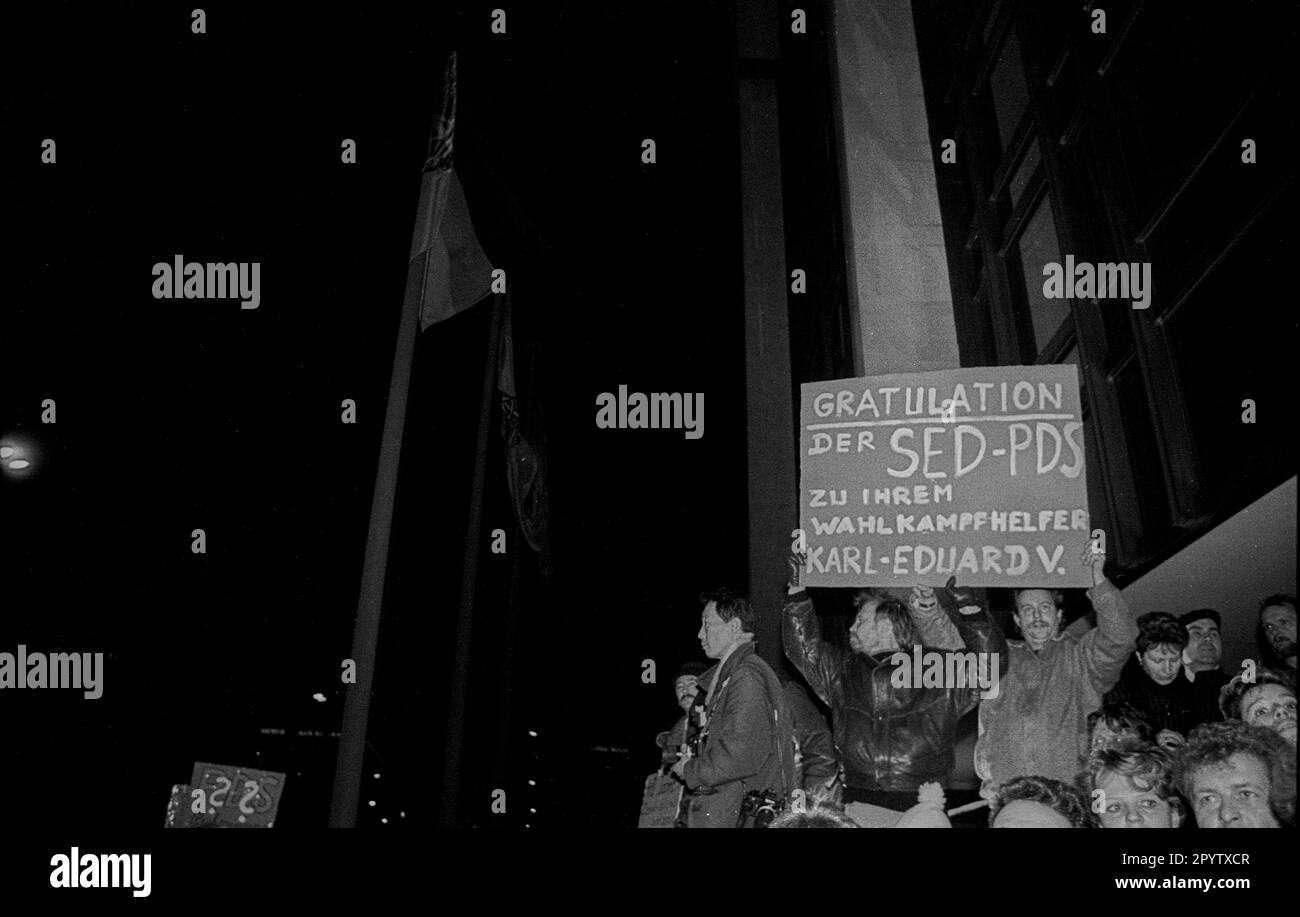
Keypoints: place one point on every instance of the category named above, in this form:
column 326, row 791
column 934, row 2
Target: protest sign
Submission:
column 975, row 473
column 241, row 797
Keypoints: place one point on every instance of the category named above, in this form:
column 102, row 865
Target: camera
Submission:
column 759, row 809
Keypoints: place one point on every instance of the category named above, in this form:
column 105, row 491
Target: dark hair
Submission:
column 1266, row 651
column 868, row 594
column 1058, row 597
column 1061, row 798
column 731, row 604
column 1212, row 744
column 1187, row 619
column 690, row 668
column 900, row 618
column 1122, row 717
column 1159, row 628
column 814, row 818
column 1232, row 694
column 1146, row 766
column 1277, row 598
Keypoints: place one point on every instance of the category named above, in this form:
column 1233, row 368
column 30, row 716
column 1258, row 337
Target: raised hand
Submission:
column 957, row 597
column 1096, row 561
column 797, row 563
column 922, row 598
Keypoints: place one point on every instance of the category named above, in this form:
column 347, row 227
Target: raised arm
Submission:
column 801, row 635
column 972, row 621
column 934, row 627
column 980, row 634
column 1105, row 648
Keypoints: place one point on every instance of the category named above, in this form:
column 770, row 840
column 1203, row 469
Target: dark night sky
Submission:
column 174, row 415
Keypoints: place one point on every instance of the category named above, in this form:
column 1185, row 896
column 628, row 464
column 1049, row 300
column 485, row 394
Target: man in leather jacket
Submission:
column 891, row 739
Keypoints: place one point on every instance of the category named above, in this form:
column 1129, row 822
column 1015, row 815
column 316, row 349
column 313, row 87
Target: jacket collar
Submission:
column 739, row 654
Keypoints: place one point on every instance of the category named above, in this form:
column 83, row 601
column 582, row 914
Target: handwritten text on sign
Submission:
column 912, row 478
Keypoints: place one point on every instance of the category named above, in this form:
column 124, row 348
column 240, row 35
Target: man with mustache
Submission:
column 1038, row 722
column 686, row 688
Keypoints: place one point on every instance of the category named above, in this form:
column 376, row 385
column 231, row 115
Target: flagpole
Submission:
column 365, row 635
column 454, row 738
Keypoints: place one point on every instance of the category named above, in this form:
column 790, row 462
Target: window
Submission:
column 1020, row 179
column 1008, row 88
column 1038, row 246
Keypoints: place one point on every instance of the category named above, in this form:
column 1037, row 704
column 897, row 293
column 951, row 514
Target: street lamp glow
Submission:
column 19, row 455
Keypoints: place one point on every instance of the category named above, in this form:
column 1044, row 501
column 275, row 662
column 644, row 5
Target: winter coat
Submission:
column 1038, row 723
column 890, row 738
column 749, row 744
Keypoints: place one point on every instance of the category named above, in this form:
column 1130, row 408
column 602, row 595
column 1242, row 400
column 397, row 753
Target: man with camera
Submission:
column 747, row 748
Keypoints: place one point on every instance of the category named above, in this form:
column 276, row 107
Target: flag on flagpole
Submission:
column 525, row 465
column 457, row 273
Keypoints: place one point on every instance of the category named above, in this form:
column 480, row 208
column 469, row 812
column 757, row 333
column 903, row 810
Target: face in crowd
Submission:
column 1272, row 706
column 1133, row 787
column 1204, row 645
column 872, row 633
column 686, row 688
column 1038, row 616
column 1162, row 663
column 1160, row 643
column 1235, row 775
column 716, row 635
column 1278, row 622
column 1233, row 794
column 1130, row 804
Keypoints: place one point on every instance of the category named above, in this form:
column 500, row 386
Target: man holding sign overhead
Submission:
column 1038, row 724
column 978, row 474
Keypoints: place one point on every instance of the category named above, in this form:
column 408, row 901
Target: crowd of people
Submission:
column 1115, row 721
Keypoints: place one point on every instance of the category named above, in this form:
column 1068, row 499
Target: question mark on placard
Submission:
column 253, row 789
column 212, row 797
